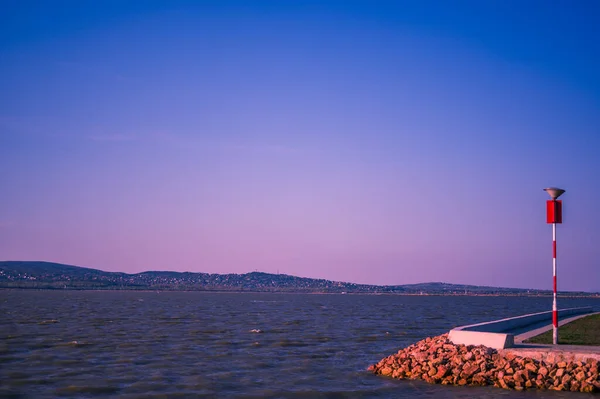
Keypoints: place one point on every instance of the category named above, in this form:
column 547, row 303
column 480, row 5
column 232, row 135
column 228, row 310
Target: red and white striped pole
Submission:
column 554, row 307
column 554, row 216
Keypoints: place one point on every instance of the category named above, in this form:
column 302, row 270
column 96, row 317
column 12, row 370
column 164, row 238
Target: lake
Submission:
column 92, row 344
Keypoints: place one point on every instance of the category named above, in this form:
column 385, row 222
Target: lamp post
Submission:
column 554, row 216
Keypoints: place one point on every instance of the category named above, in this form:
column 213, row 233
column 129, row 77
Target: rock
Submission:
column 585, row 387
column 519, row 361
column 398, row 373
column 469, row 370
column 570, row 367
column 420, row 356
column 560, row 387
column 428, row 379
column 531, row 367
column 386, row 371
column 543, row 371
column 528, row 374
column 479, row 380
column 540, row 384
column 575, row 386
column 503, row 384
column 416, row 375
column 442, row 372
column 518, row 377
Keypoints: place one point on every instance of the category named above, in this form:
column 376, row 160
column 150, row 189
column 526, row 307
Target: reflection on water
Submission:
column 145, row 344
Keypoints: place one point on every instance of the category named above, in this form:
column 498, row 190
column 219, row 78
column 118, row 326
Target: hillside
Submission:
column 46, row 275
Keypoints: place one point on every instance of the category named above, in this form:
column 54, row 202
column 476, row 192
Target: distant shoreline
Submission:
column 204, row 291
column 55, row 276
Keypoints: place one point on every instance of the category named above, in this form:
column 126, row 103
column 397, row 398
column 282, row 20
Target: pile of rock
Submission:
column 439, row 361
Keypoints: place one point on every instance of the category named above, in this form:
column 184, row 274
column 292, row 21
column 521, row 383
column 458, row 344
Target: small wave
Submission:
column 77, row 343
column 52, row 321
column 256, row 330
column 210, row 331
column 85, row 389
column 288, row 343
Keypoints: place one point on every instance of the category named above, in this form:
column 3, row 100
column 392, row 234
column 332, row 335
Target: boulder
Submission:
column 531, row 367
column 469, row 370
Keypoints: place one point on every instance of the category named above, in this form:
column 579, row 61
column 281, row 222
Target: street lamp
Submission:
column 554, row 216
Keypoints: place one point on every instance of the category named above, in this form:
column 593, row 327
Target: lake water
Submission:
column 191, row 344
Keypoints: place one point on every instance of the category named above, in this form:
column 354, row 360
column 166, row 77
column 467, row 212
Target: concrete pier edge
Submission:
column 500, row 334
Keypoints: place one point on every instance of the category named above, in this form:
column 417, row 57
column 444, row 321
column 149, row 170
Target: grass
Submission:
column 584, row 331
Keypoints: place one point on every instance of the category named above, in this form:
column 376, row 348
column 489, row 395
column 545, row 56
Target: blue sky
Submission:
column 376, row 142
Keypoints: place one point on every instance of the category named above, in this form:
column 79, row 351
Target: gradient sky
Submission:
column 385, row 142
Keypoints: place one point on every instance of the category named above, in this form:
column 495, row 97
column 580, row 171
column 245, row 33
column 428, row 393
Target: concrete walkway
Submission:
column 553, row 353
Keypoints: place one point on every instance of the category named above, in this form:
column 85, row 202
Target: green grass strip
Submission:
column 584, row 331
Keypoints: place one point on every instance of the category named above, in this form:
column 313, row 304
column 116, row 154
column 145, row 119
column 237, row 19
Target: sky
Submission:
column 379, row 142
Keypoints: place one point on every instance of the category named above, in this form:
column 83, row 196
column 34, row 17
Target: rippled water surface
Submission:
column 191, row 344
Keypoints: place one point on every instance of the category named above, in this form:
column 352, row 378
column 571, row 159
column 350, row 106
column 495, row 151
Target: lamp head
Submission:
column 554, row 192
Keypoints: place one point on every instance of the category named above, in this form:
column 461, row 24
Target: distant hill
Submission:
column 46, row 275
